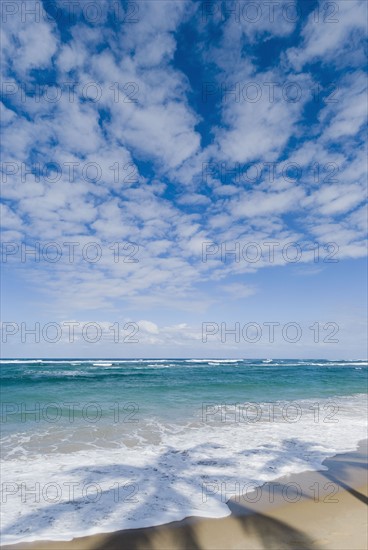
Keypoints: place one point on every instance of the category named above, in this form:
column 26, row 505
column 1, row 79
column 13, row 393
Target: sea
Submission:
column 94, row 446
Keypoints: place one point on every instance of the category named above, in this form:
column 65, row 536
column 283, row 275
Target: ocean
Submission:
column 92, row 446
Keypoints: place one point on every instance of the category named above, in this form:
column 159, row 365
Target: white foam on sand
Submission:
column 58, row 496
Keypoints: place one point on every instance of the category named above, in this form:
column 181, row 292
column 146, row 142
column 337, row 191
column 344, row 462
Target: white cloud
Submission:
column 336, row 199
column 329, row 32
column 7, row 115
column 238, row 290
column 148, row 326
column 258, row 124
column 10, row 219
column 28, row 44
column 258, row 203
column 193, row 199
column 346, row 116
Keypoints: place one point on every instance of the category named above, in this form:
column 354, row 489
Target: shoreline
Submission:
column 286, row 513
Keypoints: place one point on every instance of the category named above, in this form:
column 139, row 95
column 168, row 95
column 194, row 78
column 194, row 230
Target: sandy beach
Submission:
column 313, row 510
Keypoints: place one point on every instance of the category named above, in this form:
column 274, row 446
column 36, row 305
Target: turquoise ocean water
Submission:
column 98, row 445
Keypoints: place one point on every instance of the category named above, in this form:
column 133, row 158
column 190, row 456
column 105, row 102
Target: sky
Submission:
column 184, row 179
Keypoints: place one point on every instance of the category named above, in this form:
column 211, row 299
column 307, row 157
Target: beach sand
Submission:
column 312, row 510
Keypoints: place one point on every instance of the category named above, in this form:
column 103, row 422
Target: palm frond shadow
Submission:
column 270, row 533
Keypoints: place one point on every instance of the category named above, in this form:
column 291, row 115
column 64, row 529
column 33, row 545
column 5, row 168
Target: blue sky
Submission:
column 182, row 131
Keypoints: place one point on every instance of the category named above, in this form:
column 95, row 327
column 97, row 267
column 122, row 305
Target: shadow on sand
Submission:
column 193, row 533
